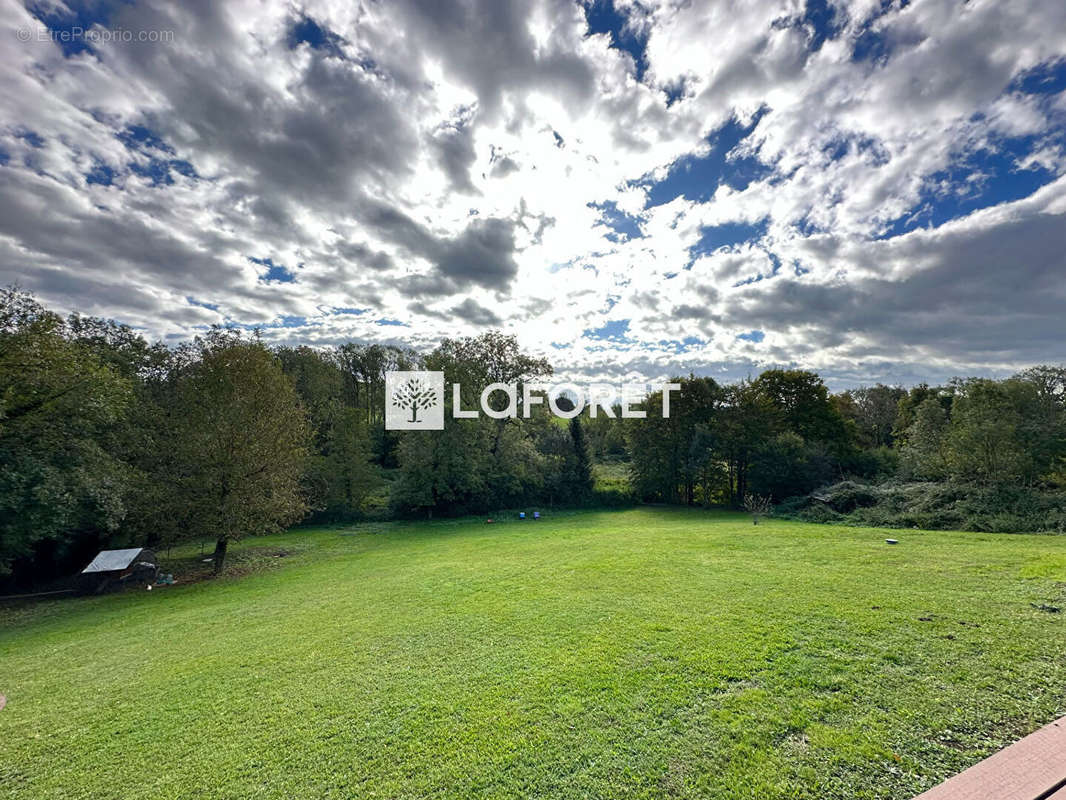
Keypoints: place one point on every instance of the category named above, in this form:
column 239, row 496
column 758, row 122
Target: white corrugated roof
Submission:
column 108, row 560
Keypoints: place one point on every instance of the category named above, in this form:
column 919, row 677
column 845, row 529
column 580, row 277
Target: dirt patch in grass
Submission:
column 239, row 564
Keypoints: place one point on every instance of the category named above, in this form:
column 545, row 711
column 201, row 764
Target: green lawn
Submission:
column 648, row 653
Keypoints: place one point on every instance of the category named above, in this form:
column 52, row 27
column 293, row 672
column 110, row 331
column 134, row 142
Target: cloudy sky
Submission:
column 875, row 189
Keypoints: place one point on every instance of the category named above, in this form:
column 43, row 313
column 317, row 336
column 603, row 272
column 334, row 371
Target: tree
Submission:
column 787, row 466
column 580, row 470
column 556, row 449
column 239, row 437
column 415, row 395
column 473, row 464
column 58, row 478
column 363, row 369
column 344, row 475
column 654, row 453
column 924, row 452
column 1040, row 395
column 907, row 407
column 873, row 410
column 802, row 401
column 319, row 381
column 749, row 419
column 986, row 440
column 606, row 435
column 118, row 346
column 671, row 456
column 445, row 470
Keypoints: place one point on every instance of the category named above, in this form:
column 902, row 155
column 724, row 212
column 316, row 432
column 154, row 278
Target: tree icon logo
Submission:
column 415, row 394
column 414, row 401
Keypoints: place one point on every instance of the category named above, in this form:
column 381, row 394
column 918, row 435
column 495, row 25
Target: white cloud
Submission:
column 446, row 165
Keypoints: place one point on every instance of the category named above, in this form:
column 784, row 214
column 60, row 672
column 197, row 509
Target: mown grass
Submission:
column 647, row 653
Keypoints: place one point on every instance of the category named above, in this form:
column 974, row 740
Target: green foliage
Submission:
column 363, row 369
column 872, row 410
column 924, row 455
column 476, row 464
column 1010, row 432
column 611, row 487
column 801, row 402
column 606, row 435
column 579, row 470
column 107, row 440
column 876, row 463
column 934, row 506
column 671, row 458
column 58, row 402
column 908, row 405
column 778, row 435
column 977, row 455
column 342, row 475
column 787, row 465
column 446, row 469
column 1003, row 432
column 984, row 442
column 238, row 438
column 319, row 381
column 749, row 420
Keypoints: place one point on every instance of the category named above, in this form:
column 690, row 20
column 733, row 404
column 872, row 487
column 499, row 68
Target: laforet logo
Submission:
column 414, row 401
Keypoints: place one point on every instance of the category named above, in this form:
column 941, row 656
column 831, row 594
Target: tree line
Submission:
column 109, row 440
column 783, row 434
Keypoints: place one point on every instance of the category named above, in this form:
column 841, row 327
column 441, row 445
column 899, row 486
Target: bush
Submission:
column 933, row 506
column 792, row 506
column 847, row 496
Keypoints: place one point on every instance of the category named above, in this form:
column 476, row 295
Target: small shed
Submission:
column 113, row 568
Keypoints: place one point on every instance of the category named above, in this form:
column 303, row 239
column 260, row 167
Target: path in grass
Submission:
column 648, row 653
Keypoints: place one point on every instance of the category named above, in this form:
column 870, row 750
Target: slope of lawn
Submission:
column 646, row 653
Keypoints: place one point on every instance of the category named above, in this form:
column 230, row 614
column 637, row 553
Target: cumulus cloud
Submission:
column 875, row 190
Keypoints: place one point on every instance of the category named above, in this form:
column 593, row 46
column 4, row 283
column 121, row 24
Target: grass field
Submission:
column 647, row 653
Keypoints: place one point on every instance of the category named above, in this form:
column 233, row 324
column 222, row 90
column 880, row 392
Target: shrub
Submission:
column 933, row 506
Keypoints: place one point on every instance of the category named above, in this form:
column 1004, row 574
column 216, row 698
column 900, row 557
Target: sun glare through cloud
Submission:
column 871, row 189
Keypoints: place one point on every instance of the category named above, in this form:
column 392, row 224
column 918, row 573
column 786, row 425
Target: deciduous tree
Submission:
column 57, row 401
column 240, row 441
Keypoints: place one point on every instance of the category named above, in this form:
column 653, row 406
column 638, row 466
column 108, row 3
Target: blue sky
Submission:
column 873, row 189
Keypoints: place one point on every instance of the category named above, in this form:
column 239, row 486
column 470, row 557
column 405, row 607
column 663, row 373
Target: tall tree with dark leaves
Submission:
column 802, row 401
column 671, row 455
column 873, row 410
column 749, row 419
column 58, row 400
column 343, row 474
column 581, row 474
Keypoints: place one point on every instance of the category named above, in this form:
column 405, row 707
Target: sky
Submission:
column 873, row 189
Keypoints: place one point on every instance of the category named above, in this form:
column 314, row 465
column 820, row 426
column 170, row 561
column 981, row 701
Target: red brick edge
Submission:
column 1033, row 768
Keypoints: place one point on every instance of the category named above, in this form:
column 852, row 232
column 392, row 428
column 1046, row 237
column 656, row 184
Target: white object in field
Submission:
column 891, row 541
